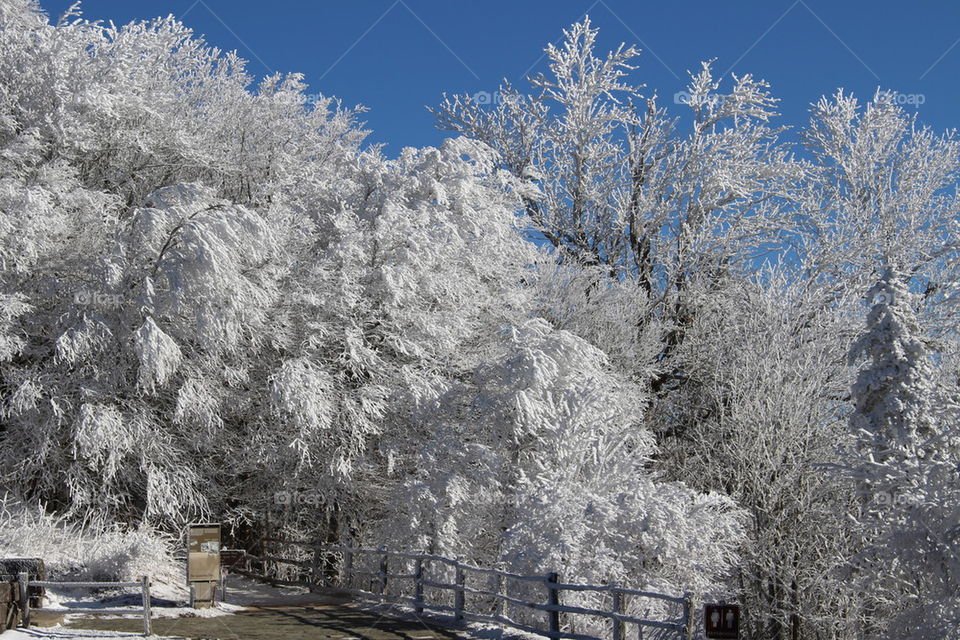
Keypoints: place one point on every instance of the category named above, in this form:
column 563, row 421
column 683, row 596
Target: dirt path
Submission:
column 257, row 611
column 317, row 622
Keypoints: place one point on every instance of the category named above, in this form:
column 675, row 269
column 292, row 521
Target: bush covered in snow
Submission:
column 83, row 551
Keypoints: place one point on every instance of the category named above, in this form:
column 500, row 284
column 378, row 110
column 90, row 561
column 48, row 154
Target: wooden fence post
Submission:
column 383, row 573
column 315, row 568
column 501, row 605
column 459, row 600
column 553, row 600
column 618, row 609
column 346, row 571
column 689, row 616
column 25, row 598
column 418, row 585
column 145, row 587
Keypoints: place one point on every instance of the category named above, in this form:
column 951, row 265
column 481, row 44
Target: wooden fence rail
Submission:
column 26, row 583
column 385, row 577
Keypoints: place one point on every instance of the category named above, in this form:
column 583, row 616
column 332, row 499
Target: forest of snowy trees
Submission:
column 586, row 334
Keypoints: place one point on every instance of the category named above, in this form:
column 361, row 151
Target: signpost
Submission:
column 721, row 621
column 203, row 564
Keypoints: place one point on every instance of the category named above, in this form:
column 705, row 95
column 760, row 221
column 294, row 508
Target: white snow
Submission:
column 66, row 633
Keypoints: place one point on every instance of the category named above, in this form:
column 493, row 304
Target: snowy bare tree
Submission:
column 762, row 414
column 881, row 193
column 623, row 187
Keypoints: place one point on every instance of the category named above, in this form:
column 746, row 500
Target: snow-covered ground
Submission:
column 162, row 604
column 241, row 594
column 244, row 592
column 67, row 633
column 166, row 603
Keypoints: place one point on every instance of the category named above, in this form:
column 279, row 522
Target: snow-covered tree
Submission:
column 893, row 392
column 139, row 269
column 758, row 416
column 881, row 193
column 539, row 463
column 906, row 465
column 880, row 220
column 405, row 276
column 623, row 188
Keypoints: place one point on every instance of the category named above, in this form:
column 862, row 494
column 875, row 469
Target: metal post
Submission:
column 553, row 600
column 145, row 586
column 383, row 573
column 418, row 586
column 618, row 609
column 25, row 598
column 459, row 600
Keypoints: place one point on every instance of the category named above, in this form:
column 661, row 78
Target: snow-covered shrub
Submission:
column 80, row 552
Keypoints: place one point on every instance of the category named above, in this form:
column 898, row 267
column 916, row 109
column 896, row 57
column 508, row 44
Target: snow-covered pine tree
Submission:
column 882, row 185
column 893, row 391
column 907, row 469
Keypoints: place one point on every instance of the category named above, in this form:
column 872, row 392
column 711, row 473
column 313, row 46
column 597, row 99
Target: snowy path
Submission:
column 252, row 611
column 316, row 622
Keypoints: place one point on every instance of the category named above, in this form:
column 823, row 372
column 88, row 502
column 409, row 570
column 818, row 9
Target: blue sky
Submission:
column 396, row 56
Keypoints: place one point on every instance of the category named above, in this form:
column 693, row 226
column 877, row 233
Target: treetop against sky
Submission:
column 398, row 56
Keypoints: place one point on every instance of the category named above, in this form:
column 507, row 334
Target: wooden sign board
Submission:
column 203, row 562
column 204, row 594
column 721, row 621
column 204, row 538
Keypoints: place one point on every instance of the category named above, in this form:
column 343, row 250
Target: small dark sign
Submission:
column 230, row 558
column 721, row 620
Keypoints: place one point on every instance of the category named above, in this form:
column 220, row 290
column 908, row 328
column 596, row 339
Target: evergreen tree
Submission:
column 892, row 393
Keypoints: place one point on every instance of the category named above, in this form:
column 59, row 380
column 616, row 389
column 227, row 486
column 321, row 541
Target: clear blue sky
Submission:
column 396, row 56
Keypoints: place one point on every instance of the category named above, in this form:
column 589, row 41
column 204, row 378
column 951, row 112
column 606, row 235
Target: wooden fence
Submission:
column 446, row 586
column 26, row 583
